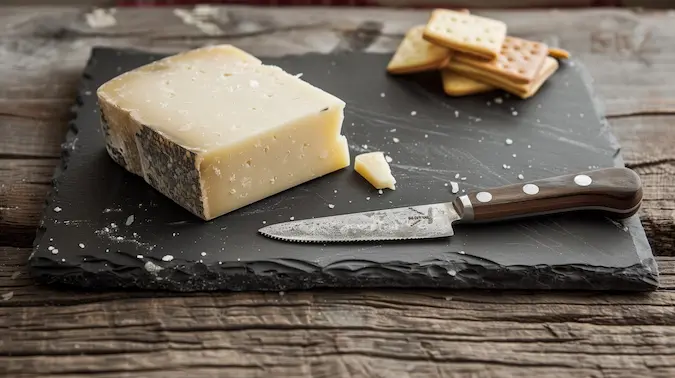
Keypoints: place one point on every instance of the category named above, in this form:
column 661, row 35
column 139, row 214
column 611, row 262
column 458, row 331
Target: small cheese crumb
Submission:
column 505, row 166
column 413, row 113
column 380, row 191
column 50, row 248
column 330, row 205
column 139, row 256
column 529, row 146
column 264, row 222
column 167, row 258
column 456, row 113
column 515, row 113
column 456, row 175
column 426, row 135
column 452, row 272
column 396, row 140
column 365, row 146
column 508, row 141
column 55, row 251
column 454, row 187
column 514, row 155
column 57, row 209
column 382, row 94
column 203, row 253
column 81, row 245
column 367, row 198
column 292, row 218
column 521, row 177
column 461, row 252
column 388, row 159
column 130, row 220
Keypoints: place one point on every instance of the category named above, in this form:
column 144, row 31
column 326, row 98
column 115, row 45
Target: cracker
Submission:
column 519, row 60
column 521, row 90
column 479, row 36
column 558, row 53
column 414, row 54
column 457, row 85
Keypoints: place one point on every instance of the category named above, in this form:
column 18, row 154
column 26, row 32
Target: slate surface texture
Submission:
column 105, row 228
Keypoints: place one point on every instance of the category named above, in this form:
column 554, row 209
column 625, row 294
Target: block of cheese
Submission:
column 374, row 167
column 214, row 129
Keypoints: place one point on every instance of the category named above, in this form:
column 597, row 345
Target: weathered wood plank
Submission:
column 332, row 334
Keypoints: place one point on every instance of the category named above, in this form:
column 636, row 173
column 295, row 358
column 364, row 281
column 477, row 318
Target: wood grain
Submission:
column 52, row 331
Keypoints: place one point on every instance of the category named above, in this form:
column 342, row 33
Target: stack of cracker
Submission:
column 475, row 55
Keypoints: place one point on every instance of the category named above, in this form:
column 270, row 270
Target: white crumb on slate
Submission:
column 515, row 113
column 174, row 234
column 498, row 100
column 454, row 187
column 446, row 184
column 382, row 94
column 413, row 113
column 81, row 245
column 456, row 113
column 335, row 191
column 521, row 177
column 7, row 296
column 264, row 222
column 203, row 254
column 367, row 198
column 508, row 141
column 57, row 209
column 292, row 218
column 55, row 251
column 514, row 155
column 130, row 220
column 107, row 250
column 456, row 175
column 396, row 140
column 50, row 248
column 569, row 115
column 428, row 163
column 152, row 267
column 167, row 258
column 462, row 252
column 392, row 130
column 388, row 159
column 331, row 206
column 426, row 135
column 380, row 191
column 452, row 272
column 529, row 146
column 581, row 115
column 506, row 166
column 139, row 256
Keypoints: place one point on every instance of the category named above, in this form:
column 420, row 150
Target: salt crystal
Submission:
column 367, row 198
column 456, row 175
column 130, row 220
column 396, row 140
column 462, row 252
column 139, row 256
column 392, row 130
column 81, row 245
column 330, row 205
column 498, row 100
column 454, row 187
column 463, row 178
column 292, row 218
column 57, row 209
column 203, row 254
column 50, row 248
column 388, row 159
column 506, row 166
column 380, row 191
column 413, row 113
column 452, row 272
column 529, row 146
column 426, row 135
column 365, row 146
column 521, row 177
column 446, row 184
column 515, row 113
column 514, row 155
column 167, row 258
column 581, row 115
column 382, row 94
column 264, row 222
column 508, row 141
column 55, row 251
column 456, row 113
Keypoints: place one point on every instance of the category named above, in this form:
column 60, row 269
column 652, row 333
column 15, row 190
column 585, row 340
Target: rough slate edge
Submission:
column 295, row 275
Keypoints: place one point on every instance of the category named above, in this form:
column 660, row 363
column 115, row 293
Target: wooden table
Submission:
column 45, row 332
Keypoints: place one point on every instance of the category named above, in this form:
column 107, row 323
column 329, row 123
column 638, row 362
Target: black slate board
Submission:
column 558, row 131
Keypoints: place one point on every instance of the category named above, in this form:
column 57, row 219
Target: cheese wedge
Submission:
column 374, row 168
column 214, row 129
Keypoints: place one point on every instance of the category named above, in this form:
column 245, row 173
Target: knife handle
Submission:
column 617, row 192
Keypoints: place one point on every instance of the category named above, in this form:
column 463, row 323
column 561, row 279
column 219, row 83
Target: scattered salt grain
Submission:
column 167, row 258
column 498, row 100
column 396, row 140
column 456, row 113
column 367, row 198
column 508, row 141
column 505, row 166
column 57, row 209
column 515, row 113
column 292, row 218
column 463, row 178
column 55, row 251
column 382, row 94
column 330, row 205
column 426, row 135
column 388, row 159
column 452, row 272
column 454, row 187
column 392, row 130
column 413, row 113
column 130, row 220
column 380, row 191
column 529, row 146
column 203, row 254
column 81, row 245
column 521, row 177
column 456, row 175
column 139, row 256
column 264, row 222
column 462, row 252
column 581, row 115
column 365, row 146
column 514, row 155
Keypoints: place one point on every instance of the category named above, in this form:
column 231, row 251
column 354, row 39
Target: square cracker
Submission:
column 521, row 90
column 414, row 54
column 519, row 60
column 457, row 85
column 479, row 36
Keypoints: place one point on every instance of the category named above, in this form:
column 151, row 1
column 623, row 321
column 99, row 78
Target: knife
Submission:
column 616, row 192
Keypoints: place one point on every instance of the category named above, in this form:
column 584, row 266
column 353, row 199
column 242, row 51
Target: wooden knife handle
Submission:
column 617, row 192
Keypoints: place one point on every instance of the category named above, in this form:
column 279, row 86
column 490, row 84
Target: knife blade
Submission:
column 616, row 192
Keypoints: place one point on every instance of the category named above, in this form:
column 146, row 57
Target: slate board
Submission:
column 559, row 131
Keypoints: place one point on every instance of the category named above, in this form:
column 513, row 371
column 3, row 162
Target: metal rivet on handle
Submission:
column 582, row 180
column 530, row 189
column 484, row 197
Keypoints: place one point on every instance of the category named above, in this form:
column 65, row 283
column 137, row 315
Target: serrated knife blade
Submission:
column 616, row 192
column 404, row 223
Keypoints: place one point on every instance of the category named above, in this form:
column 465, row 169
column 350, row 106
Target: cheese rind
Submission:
column 374, row 168
column 215, row 130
